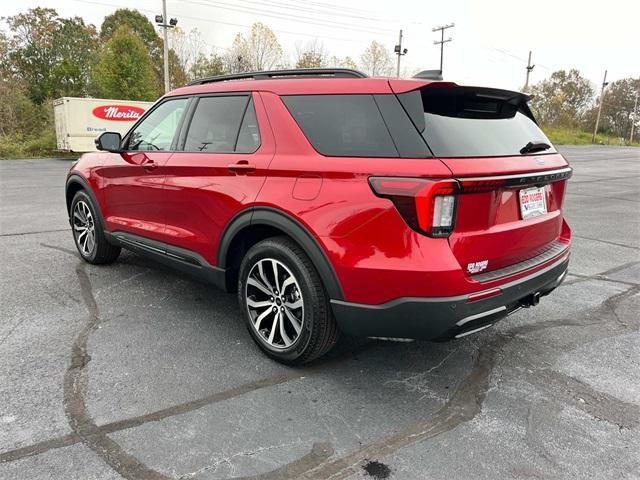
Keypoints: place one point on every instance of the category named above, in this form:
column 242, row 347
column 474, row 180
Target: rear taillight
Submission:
column 428, row 206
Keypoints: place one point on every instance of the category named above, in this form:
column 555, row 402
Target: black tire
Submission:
column 101, row 252
column 318, row 332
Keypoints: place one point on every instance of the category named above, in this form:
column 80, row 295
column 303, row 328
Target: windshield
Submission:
column 465, row 122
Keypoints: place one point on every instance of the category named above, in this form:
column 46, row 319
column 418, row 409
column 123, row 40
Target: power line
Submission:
column 282, row 16
column 330, row 12
column 220, row 22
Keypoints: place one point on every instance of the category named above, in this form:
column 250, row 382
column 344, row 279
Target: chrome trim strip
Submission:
column 464, row 334
column 553, row 250
column 480, row 315
column 521, row 175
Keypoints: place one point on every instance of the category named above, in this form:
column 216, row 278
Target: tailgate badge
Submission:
column 477, row 267
column 540, row 160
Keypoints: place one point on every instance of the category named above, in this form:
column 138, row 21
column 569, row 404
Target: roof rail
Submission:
column 297, row 72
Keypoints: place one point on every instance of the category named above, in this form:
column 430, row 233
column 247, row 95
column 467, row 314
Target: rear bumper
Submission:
column 446, row 317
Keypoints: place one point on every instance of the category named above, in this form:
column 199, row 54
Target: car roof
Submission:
column 308, row 86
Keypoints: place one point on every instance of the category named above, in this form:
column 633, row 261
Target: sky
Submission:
column 490, row 43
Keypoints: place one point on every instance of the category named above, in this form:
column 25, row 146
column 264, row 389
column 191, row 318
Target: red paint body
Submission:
column 188, row 199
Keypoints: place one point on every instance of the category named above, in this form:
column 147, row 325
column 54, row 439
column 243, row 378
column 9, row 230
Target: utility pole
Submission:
column 634, row 118
column 442, row 41
column 400, row 52
column 604, row 84
column 529, row 69
column 161, row 20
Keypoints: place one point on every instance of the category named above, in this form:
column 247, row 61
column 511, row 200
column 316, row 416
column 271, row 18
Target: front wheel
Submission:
column 284, row 303
column 88, row 232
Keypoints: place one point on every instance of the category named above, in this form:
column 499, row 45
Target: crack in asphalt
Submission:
column 607, row 242
column 582, row 396
column 74, row 397
column 465, row 403
column 602, row 276
column 462, row 407
column 19, row 234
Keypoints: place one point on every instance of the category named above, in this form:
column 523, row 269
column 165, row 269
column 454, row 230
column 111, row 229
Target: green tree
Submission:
column 124, row 69
column 31, row 50
column 562, row 99
column 206, row 66
column 177, row 75
column 617, row 108
column 141, row 26
column 137, row 23
column 49, row 54
column 75, row 45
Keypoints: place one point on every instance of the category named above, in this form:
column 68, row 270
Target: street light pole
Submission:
column 442, row 41
column 634, row 118
column 529, row 69
column 166, row 47
column 400, row 52
column 164, row 23
column 595, row 130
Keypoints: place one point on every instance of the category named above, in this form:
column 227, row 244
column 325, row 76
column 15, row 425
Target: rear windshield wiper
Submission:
column 535, row 147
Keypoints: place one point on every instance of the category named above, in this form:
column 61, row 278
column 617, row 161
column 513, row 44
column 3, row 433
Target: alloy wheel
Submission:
column 274, row 303
column 84, row 228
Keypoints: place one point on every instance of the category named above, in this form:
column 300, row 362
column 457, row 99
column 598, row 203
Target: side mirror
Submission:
column 109, row 142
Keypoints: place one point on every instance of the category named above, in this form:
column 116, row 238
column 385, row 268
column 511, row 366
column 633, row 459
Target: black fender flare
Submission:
column 291, row 227
column 80, row 180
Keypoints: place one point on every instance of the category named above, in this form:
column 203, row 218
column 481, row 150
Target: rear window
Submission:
column 474, row 122
column 342, row 125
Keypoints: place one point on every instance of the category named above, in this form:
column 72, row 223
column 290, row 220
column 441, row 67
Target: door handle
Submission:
column 242, row 167
column 150, row 165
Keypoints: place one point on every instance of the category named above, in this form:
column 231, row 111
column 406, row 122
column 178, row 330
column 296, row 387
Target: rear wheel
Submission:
column 284, row 303
column 88, row 232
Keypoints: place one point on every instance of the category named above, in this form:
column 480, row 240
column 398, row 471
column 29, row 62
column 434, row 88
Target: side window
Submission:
column 249, row 136
column 215, row 124
column 156, row 132
column 342, row 125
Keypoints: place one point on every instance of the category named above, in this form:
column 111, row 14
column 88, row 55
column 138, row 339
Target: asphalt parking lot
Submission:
column 133, row 371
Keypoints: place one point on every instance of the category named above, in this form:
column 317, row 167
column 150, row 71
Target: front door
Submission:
column 226, row 152
column 134, row 179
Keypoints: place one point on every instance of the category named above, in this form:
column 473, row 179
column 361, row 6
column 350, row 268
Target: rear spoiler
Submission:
column 467, row 100
column 405, row 86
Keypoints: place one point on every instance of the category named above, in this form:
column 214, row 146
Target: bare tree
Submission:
column 311, row 55
column 376, row 60
column 259, row 50
column 187, row 46
column 346, row 62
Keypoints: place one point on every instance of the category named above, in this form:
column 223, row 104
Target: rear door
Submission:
column 513, row 180
column 226, row 146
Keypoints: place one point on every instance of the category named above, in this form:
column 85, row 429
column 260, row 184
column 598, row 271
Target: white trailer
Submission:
column 80, row 120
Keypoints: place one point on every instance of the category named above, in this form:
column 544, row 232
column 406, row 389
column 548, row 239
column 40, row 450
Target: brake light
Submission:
column 428, row 206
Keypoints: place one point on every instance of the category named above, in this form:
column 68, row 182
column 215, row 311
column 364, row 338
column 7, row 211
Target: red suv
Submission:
column 332, row 202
